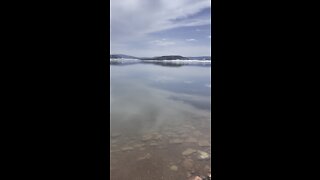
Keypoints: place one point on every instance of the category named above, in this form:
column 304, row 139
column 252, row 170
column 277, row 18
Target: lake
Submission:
column 160, row 121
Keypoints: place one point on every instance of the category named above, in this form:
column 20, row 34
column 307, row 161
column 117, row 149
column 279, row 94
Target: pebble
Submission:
column 114, row 145
column 187, row 164
column 127, row 148
column 174, row 168
column 147, row 156
column 207, row 169
column 182, row 131
column 153, row 136
column 204, row 143
column 188, row 152
column 203, row 155
column 176, row 141
column 153, row 144
column 162, row 147
column 146, row 137
column 197, row 133
column 114, row 135
column 196, row 178
column 183, row 135
column 157, row 136
column 191, row 140
column 138, row 145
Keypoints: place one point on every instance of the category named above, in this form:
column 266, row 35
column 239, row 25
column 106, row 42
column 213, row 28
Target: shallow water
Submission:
column 157, row 114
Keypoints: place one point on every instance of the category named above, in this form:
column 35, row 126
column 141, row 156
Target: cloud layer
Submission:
column 134, row 21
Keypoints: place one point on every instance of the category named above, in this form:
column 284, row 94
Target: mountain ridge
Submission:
column 166, row 57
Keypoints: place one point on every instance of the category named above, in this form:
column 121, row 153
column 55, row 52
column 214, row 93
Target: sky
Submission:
column 147, row 28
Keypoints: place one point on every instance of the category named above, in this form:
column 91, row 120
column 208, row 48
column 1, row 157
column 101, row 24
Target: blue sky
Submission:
column 160, row 27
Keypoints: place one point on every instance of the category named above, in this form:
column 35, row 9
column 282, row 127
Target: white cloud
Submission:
column 162, row 42
column 133, row 21
column 131, row 18
column 190, row 40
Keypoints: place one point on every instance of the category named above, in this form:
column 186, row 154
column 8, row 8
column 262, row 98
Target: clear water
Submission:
column 157, row 113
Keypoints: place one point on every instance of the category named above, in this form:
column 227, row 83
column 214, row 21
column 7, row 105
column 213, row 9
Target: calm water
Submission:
column 160, row 122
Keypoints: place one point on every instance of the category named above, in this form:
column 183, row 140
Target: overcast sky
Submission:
column 161, row 27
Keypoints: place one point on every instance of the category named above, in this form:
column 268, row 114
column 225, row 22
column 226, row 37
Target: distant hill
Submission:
column 120, row 56
column 200, row 58
column 172, row 57
column 168, row 57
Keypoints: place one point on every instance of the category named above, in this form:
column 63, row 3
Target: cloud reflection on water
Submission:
column 147, row 96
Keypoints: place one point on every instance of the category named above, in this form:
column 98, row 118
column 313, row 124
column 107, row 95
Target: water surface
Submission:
column 160, row 121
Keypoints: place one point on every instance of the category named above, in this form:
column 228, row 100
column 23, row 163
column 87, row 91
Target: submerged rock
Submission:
column 204, row 143
column 176, row 141
column 127, row 148
column 184, row 135
column 196, row 178
column 197, row 133
column 138, row 145
column 202, row 155
column 113, row 141
column 153, row 136
column 174, row 168
column 207, row 169
column 147, row 156
column 208, row 177
column 187, row 164
column 157, row 136
column 162, row 147
column 182, row 131
column 154, row 144
column 146, row 137
column 188, row 152
column 114, row 135
column 191, row 140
